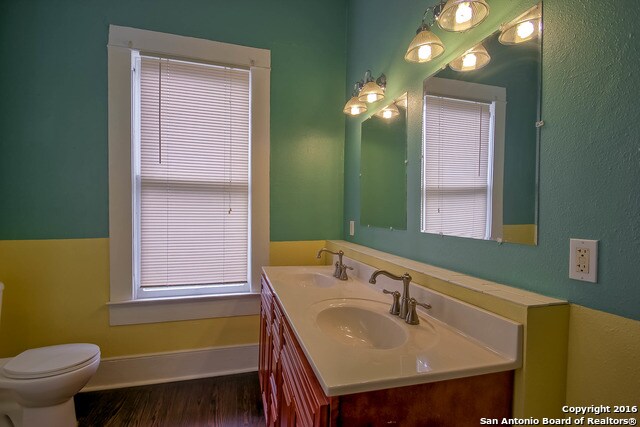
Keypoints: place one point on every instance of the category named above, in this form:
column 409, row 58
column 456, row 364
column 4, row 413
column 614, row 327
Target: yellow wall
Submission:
column 296, row 253
column 520, row 233
column 604, row 359
column 56, row 292
column 541, row 383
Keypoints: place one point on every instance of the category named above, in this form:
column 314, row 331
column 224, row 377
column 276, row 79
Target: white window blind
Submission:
column 457, row 167
column 192, row 174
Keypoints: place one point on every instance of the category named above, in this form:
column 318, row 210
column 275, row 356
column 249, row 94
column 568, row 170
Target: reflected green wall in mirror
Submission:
column 516, row 68
column 387, row 54
column 383, row 174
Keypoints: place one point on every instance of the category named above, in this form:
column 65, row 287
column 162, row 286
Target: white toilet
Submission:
column 37, row 386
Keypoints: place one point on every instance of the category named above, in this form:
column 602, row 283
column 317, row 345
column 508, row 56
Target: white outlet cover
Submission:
column 574, row 271
column 352, row 226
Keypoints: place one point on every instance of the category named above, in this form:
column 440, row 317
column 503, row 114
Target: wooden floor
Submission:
column 232, row 400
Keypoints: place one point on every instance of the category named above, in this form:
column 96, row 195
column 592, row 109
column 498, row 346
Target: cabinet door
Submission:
column 265, row 341
column 265, row 333
column 291, row 393
column 310, row 405
column 275, row 379
column 266, row 350
column 287, row 407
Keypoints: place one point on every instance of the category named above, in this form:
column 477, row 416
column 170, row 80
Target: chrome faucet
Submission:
column 412, row 317
column 406, row 279
column 407, row 309
column 340, row 271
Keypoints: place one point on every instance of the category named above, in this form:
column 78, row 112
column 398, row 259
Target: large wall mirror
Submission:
column 383, row 170
column 480, row 144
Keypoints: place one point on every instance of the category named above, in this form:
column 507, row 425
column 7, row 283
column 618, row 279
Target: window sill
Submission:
column 156, row 310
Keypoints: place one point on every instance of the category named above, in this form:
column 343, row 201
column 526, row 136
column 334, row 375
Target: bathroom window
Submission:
column 188, row 176
column 191, row 177
column 461, row 159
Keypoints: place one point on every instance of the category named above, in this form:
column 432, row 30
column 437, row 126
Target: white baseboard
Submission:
column 117, row 372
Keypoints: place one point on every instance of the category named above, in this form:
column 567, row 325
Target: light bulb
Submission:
column 469, row 60
column 387, row 114
column 371, row 97
column 424, row 52
column 525, row 29
column 464, row 13
column 355, row 111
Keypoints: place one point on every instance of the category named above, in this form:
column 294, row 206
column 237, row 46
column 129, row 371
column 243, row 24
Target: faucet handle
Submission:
column 337, row 271
column 412, row 315
column 343, row 272
column 395, row 306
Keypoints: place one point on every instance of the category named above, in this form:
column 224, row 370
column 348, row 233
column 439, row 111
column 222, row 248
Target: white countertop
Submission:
column 481, row 342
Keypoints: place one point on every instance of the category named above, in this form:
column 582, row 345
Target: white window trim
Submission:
column 123, row 307
column 483, row 93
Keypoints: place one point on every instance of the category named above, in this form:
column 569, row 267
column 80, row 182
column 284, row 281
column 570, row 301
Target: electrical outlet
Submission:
column 352, row 226
column 583, row 260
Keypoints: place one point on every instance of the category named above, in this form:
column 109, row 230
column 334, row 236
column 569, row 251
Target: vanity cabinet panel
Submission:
column 292, row 395
column 311, row 406
column 287, row 408
column 264, row 361
column 451, row 403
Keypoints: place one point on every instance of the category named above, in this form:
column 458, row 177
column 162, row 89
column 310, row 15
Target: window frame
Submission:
column 467, row 91
column 124, row 306
column 138, row 178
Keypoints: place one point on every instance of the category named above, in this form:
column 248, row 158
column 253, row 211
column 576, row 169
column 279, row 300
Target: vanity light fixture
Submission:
column 354, row 106
column 473, row 59
column 460, row 15
column 525, row 27
column 372, row 90
column 425, row 46
column 450, row 15
column 389, row 112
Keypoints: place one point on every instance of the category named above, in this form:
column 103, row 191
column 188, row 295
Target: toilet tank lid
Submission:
column 48, row 361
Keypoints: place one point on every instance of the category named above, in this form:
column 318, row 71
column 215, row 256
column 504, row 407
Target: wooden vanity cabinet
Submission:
column 292, row 395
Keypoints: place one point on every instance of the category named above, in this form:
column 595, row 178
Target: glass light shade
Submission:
column 389, row 112
column 461, row 15
column 524, row 28
column 424, row 47
column 473, row 59
column 354, row 106
column 371, row 92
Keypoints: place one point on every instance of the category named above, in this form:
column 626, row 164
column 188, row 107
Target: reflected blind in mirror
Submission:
column 193, row 173
column 456, row 171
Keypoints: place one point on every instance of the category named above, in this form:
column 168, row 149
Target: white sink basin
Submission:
column 361, row 323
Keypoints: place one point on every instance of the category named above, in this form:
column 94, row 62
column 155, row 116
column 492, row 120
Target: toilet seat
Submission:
column 50, row 361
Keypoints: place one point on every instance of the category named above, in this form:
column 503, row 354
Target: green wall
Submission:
column 53, row 109
column 516, row 68
column 383, row 172
column 589, row 151
column 53, row 119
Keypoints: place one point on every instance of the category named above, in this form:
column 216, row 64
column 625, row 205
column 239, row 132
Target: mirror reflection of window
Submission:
column 458, row 145
column 463, row 146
